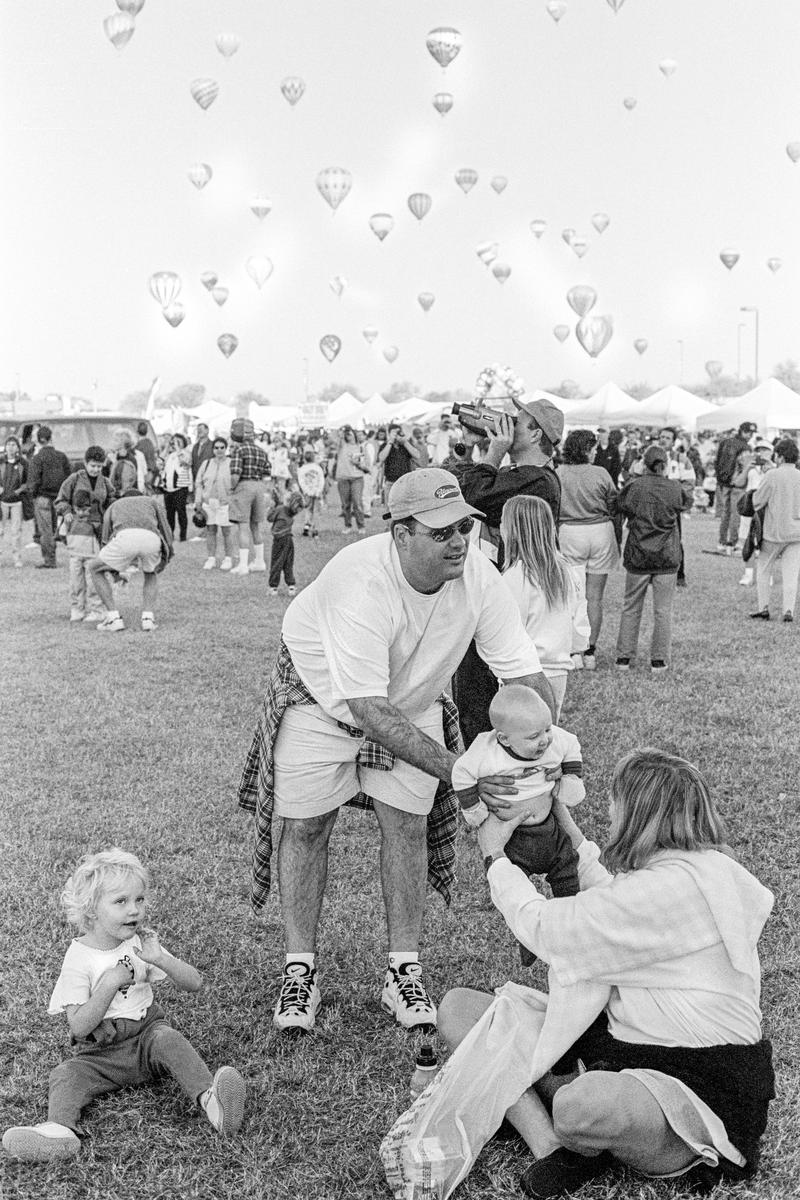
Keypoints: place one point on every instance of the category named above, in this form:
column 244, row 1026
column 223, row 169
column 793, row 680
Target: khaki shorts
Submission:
column 593, row 547
column 216, row 513
column 316, row 770
column 131, row 546
column 248, row 503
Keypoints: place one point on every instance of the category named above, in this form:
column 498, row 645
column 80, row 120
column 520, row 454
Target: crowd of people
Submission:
column 422, row 674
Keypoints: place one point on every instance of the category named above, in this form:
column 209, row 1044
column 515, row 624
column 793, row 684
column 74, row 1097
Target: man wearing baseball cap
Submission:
column 652, row 505
column 355, row 708
column 529, row 439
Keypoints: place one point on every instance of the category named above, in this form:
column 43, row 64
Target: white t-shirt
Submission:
column 487, row 757
column 311, row 478
column 360, row 629
column 557, row 633
column 81, row 972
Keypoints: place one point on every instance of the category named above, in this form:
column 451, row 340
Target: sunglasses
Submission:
column 220, row 447
column 444, row 535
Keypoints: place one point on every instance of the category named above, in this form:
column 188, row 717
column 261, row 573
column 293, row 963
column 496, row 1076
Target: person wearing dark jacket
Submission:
column 728, row 472
column 607, row 454
column 89, row 478
column 13, row 477
column 47, row 470
column 652, row 506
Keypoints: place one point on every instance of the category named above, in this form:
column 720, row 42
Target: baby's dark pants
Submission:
column 124, row 1054
column 282, row 560
column 544, row 850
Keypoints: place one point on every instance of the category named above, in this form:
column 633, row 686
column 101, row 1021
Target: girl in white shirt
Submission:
column 549, row 592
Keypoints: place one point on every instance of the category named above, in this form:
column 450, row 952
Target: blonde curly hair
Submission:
column 91, row 877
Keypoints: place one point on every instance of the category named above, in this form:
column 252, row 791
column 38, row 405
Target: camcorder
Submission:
column 479, row 419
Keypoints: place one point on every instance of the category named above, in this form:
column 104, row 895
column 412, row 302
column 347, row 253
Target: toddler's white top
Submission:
column 81, row 971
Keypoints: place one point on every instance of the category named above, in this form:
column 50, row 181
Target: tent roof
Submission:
column 671, row 405
column 771, row 405
column 610, row 404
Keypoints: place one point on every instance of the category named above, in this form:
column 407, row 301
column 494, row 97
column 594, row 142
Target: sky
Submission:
column 96, row 144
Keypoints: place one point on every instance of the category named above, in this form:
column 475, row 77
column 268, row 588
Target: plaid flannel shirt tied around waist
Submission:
column 257, row 794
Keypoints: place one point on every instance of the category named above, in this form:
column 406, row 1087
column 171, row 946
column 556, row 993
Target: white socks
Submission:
column 258, row 554
column 399, row 958
column 302, row 957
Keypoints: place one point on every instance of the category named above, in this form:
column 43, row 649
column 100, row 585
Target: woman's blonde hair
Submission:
column 660, row 802
column 91, row 877
column 529, row 536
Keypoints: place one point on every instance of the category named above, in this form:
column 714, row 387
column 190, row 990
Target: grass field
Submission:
column 138, row 740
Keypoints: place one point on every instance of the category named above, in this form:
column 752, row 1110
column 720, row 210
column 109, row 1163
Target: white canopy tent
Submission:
column 670, row 405
column 346, row 410
column 609, row 406
column 376, row 411
column 274, row 416
column 772, row 406
column 213, row 413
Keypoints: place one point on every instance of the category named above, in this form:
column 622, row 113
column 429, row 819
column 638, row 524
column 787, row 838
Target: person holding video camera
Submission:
column 397, row 457
column 529, row 438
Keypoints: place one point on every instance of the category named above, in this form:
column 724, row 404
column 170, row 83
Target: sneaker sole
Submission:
column 26, row 1145
column 230, row 1090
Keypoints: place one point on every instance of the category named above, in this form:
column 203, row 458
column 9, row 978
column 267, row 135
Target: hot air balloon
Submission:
column 227, row 343
column 581, row 299
column 556, row 9
column 134, row 7
column 501, row 271
column 567, row 235
column 330, row 345
column 204, row 92
column 729, row 257
column 119, row 29
column 337, row 285
column 420, row 204
column 426, row 301
column 793, row 150
column 561, row 332
column 487, row 252
column 640, row 345
column 601, row 221
column 220, row 294
column 174, row 313
column 630, row 103
column 259, row 268
column 443, row 102
column 390, row 353
column 444, row 44
column 381, row 225
column 594, row 334
column 369, row 334
column 667, row 67
column 774, row 264
column 227, row 44
column 579, row 244
column 499, row 184
column 260, row 206
column 293, row 87
column 199, row 174
column 538, row 227
column 714, row 368
column 165, row 287
column 466, row 179
column 209, row 279
column 333, row 184
column 615, row 4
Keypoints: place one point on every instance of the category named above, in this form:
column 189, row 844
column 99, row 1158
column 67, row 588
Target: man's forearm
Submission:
column 541, row 685
column 385, row 724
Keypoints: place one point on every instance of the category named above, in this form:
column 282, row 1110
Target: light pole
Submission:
column 751, row 308
column 739, row 329
column 680, row 348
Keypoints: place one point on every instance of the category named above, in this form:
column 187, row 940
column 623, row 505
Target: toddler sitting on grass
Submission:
column 118, row 1033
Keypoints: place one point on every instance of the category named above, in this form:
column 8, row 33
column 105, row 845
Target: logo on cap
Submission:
column 448, row 489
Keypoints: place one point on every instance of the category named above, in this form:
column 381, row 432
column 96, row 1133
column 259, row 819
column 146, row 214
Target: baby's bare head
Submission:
column 517, row 709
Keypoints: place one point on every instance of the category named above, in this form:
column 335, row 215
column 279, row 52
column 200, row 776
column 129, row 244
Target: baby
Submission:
column 535, row 754
column 119, row 1035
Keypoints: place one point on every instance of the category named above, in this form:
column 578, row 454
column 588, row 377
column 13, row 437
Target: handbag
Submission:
column 744, row 505
column 199, row 518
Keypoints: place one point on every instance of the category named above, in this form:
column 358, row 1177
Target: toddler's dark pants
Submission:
column 282, row 560
column 544, row 850
column 134, row 1053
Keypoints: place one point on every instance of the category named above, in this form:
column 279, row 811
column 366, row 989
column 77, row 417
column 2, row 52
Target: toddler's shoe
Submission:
column 226, row 564
column 293, row 591
column 210, row 563
column 75, row 615
column 48, row 1142
column 148, row 624
column 92, row 618
column 110, row 625
column 223, row 1103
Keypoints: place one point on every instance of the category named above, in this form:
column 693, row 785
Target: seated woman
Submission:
column 673, row 1079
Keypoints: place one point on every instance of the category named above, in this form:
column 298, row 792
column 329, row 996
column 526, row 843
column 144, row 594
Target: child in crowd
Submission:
column 311, row 479
column 536, row 755
column 82, row 546
column 550, row 593
column 281, row 517
column 118, row 1032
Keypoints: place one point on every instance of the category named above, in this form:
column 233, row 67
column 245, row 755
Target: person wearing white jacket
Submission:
column 549, row 592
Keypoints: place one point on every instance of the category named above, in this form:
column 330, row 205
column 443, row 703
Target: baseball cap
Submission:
column 432, row 495
column 549, row 418
column 762, row 445
column 653, row 455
